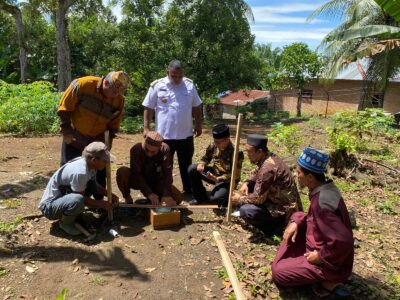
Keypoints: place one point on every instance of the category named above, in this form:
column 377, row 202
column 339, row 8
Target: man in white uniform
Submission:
column 175, row 101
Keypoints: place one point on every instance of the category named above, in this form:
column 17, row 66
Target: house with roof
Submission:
column 346, row 92
column 230, row 101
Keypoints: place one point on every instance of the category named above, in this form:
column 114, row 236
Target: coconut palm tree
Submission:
column 367, row 31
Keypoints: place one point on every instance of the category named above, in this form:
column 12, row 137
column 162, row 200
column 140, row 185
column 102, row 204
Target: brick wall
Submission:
column 339, row 96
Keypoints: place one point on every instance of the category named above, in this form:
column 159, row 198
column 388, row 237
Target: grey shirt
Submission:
column 75, row 174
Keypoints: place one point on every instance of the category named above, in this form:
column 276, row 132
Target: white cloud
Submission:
column 285, row 8
column 290, row 36
column 271, row 18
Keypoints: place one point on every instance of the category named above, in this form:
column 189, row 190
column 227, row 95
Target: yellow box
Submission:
column 165, row 219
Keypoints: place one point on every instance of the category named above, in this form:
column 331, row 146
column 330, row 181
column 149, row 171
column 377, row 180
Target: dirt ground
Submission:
column 37, row 261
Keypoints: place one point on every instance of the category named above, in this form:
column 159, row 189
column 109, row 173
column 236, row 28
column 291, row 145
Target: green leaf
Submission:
column 370, row 31
column 63, row 294
column 391, row 7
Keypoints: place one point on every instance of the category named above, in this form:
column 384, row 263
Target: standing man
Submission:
column 89, row 107
column 317, row 247
column 174, row 101
column 70, row 187
column 215, row 167
column 269, row 196
column 150, row 172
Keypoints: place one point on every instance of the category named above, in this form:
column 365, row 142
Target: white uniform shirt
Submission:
column 173, row 107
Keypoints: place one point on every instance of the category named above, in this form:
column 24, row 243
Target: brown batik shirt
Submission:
column 272, row 184
column 221, row 162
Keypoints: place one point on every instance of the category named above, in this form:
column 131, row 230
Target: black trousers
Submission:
column 69, row 152
column 219, row 194
column 184, row 149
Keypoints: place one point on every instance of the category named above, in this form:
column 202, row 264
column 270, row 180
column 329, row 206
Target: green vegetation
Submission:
column 98, row 280
column 287, row 136
column 3, row 272
column 28, row 108
column 63, row 294
column 10, row 226
column 11, row 203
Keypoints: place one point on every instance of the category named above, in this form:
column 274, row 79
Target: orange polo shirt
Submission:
column 91, row 112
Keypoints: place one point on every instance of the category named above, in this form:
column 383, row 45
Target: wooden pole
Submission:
column 108, row 171
column 229, row 267
column 175, row 206
column 234, row 167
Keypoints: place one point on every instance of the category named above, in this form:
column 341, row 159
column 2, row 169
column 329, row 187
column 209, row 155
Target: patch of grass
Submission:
column 4, row 272
column 277, row 239
column 179, row 242
column 63, row 294
column 388, row 207
column 365, row 201
column 222, row 273
column 348, row 186
column 393, row 280
column 10, row 226
column 98, row 280
column 11, row 203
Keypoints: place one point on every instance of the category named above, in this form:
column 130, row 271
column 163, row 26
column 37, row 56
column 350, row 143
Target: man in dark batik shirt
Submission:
column 150, row 172
column 215, row 167
column 269, row 196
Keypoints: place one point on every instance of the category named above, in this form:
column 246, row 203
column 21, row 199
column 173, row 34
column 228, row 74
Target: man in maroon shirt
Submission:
column 317, row 247
column 150, row 172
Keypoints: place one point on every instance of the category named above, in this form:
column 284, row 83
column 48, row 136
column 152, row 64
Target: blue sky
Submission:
column 284, row 22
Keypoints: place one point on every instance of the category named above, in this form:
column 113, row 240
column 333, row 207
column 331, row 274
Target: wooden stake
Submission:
column 108, row 171
column 234, row 167
column 175, row 206
column 229, row 267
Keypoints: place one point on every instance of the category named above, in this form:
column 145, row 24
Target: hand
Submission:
column 212, row 177
column 200, row 168
column 313, row 257
column 155, row 200
column 105, row 205
column 198, row 130
column 68, row 138
column 244, row 190
column 290, row 232
column 168, row 201
column 235, row 197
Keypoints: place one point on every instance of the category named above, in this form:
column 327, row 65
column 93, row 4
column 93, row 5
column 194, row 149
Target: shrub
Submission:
column 132, row 124
column 28, row 108
column 288, row 136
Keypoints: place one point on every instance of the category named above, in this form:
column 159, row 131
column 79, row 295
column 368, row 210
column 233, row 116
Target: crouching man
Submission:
column 215, row 168
column 317, row 247
column 70, row 187
column 269, row 196
column 150, row 172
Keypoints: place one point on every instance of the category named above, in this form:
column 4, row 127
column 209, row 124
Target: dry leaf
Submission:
column 75, row 262
column 149, row 270
column 30, row 269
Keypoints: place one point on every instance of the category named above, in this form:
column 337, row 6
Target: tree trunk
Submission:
column 299, row 100
column 23, row 57
column 63, row 53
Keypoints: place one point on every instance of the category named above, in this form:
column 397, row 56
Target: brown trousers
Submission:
column 126, row 183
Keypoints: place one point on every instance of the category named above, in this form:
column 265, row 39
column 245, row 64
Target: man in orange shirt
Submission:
column 89, row 107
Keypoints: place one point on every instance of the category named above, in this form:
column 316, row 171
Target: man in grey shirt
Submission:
column 70, row 187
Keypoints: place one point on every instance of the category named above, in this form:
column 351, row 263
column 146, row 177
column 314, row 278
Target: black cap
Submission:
column 257, row 140
column 220, row 131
